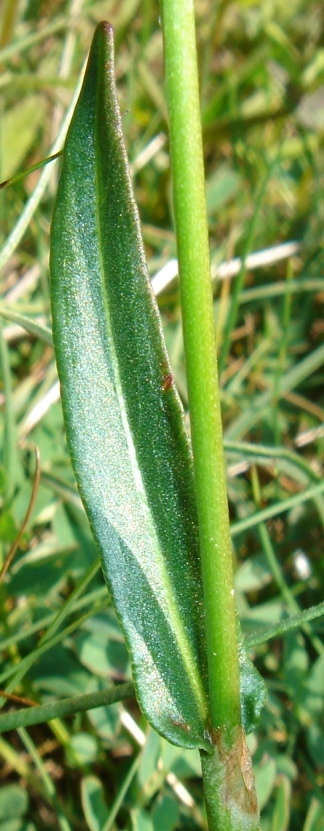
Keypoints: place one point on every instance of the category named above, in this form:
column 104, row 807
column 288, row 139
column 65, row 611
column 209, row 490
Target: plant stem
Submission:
column 200, row 353
column 225, row 811
column 28, row 716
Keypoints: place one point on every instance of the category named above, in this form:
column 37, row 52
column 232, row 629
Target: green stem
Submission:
column 122, row 793
column 260, row 451
column 273, row 510
column 9, row 13
column 182, row 90
column 200, row 353
column 17, row 672
column 47, row 781
column 286, row 625
column 66, row 707
column 9, row 445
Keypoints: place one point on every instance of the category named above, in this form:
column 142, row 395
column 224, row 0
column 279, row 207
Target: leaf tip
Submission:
column 105, row 28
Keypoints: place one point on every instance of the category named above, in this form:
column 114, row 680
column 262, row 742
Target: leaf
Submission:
column 141, row 820
column 252, row 688
column 281, row 813
column 82, row 749
column 93, row 803
column 315, row 817
column 265, row 780
column 124, row 421
column 13, row 802
column 165, row 813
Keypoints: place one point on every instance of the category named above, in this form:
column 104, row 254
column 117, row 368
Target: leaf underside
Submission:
column 124, row 421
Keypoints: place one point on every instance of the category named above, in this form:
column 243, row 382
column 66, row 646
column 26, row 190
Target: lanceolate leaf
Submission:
column 124, row 421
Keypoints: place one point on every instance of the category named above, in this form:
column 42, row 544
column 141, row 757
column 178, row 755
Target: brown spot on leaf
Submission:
column 182, row 725
column 167, row 381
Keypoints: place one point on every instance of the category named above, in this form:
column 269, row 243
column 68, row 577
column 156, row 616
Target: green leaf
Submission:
column 84, row 748
column 252, row 688
column 315, row 817
column 165, row 813
column 265, row 780
column 13, row 802
column 93, row 803
column 124, row 422
column 281, row 813
column 141, row 820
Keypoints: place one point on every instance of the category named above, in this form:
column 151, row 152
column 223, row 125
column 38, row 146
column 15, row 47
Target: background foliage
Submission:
column 262, row 88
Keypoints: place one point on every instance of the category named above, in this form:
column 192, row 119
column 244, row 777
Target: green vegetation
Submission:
column 261, row 75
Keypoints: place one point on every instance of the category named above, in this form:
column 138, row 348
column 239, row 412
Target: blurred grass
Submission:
column 262, row 87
